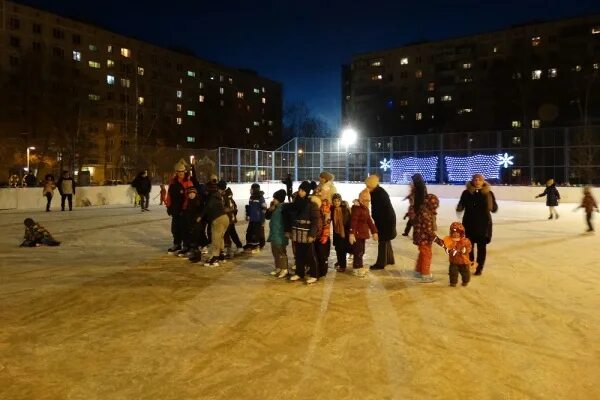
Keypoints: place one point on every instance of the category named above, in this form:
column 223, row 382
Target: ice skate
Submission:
column 311, row 280
column 282, row 273
column 174, row 249
column 360, row 272
column 416, row 274
column 213, row 262
column 183, row 252
column 427, row 278
column 275, row 272
column 295, row 278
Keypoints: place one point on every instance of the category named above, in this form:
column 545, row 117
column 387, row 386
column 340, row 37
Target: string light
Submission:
column 461, row 169
column 404, row 168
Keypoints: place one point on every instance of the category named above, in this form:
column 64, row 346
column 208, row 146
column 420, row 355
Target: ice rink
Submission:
column 109, row 315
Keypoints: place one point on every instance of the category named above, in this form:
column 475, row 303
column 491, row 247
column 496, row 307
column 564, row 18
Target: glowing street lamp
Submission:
column 349, row 137
column 28, row 149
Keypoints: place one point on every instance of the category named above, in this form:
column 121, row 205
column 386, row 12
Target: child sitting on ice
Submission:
column 37, row 235
column 457, row 247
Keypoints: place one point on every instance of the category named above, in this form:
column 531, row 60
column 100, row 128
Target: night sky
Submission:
column 303, row 43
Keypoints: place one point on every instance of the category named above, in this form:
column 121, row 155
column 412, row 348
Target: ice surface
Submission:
column 108, row 315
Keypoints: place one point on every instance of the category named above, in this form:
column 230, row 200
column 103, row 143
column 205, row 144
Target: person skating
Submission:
column 277, row 236
column 588, row 203
column 231, row 235
column 417, row 190
column 323, row 241
column 37, row 235
column 216, row 215
column 303, row 230
column 478, row 202
column 458, row 247
column 48, row 191
column 193, row 216
column 424, row 227
column 384, row 217
column 361, row 228
column 176, row 203
column 163, row 194
column 552, row 198
column 255, row 214
column 66, row 187
column 143, row 185
column 288, row 182
column 341, row 221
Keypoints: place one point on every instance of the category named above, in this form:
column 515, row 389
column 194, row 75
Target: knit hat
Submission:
column 29, row 222
column 222, row 185
column 457, row 227
column 365, row 195
column 328, row 176
column 336, row 196
column 280, row 195
column 180, row 166
column 305, row 185
column 372, row 181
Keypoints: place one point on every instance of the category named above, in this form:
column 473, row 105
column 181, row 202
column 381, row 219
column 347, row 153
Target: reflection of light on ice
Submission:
column 404, row 168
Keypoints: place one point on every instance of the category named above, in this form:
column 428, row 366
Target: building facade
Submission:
column 90, row 99
column 526, row 77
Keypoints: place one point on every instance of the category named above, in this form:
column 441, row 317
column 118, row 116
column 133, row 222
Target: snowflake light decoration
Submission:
column 385, row 164
column 505, row 160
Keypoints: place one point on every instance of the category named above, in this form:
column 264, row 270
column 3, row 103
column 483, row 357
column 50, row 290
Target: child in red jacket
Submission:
column 424, row 224
column 361, row 226
column 457, row 247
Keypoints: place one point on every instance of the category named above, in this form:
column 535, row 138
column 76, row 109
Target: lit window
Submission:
column 248, row 131
column 552, row 73
column 200, row 85
column 212, row 77
column 516, row 172
column 109, row 48
column 577, row 68
column 270, row 123
column 596, row 66
column 536, row 74
column 240, row 95
column 467, row 79
column 431, row 86
column 264, row 100
column 110, row 63
column 110, row 126
column 535, row 41
column 402, row 117
column 93, row 97
column 516, row 139
column 201, row 99
column 178, row 107
column 430, row 100
column 516, row 124
column 222, row 103
column 94, row 64
column 140, row 100
column 191, row 113
column 179, row 94
column 256, row 90
column 255, row 123
column 447, row 98
column 596, row 30
column 76, row 55
column 125, row 52
column 125, row 82
column 465, row 111
column 536, row 123
column 178, row 120
column 221, row 78
column 418, row 73
column 377, row 77
column 221, row 90
column 191, row 73
column 376, row 63
column 403, row 102
column 140, row 71
column 467, row 66
column 404, row 61
column 190, row 139
column 418, row 116
column 432, row 116
column 92, row 47
column 495, row 49
column 263, row 89
column 110, row 79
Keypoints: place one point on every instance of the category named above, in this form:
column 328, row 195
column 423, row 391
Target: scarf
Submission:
column 338, row 221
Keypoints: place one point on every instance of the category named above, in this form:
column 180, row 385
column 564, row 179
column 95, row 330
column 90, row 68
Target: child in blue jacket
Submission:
column 255, row 214
column 277, row 236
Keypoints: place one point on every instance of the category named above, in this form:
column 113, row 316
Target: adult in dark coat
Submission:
column 478, row 202
column 143, row 186
column 288, row 186
column 552, row 198
column 384, row 217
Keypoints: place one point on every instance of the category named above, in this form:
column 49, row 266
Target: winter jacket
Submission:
column 37, row 234
column 194, row 209
column 230, row 205
column 142, row 184
column 214, row 207
column 255, row 210
column 276, row 226
column 589, row 203
column 383, row 214
column 346, row 218
column 306, row 219
column 478, row 204
column 326, row 191
column 176, row 200
column 552, row 195
column 424, row 223
column 458, row 251
column 49, row 187
column 325, row 210
column 288, row 185
column 66, row 185
column 361, row 223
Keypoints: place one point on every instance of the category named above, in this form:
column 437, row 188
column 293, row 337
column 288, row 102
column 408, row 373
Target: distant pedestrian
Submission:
column 552, row 198
column 288, row 186
column 588, row 203
column 30, row 180
column 48, row 190
column 66, row 187
column 143, row 185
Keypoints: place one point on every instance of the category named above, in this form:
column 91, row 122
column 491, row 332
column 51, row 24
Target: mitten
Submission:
column 376, row 237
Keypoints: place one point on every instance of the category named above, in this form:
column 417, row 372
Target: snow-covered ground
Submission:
column 108, row 315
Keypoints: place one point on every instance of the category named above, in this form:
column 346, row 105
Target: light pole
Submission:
column 28, row 149
column 348, row 138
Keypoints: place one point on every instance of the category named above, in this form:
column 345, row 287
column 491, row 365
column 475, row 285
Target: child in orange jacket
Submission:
column 457, row 247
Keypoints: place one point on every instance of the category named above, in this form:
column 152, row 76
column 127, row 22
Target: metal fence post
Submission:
column 566, row 154
column 255, row 165
column 441, row 159
column 219, row 162
column 368, row 169
column 239, row 166
column 531, row 155
column 296, row 159
column 320, row 155
column 273, row 165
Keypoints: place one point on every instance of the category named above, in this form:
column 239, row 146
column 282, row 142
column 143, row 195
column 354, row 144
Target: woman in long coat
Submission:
column 384, row 217
column 478, row 202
